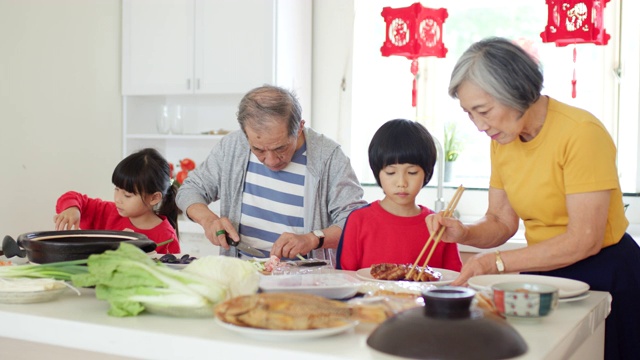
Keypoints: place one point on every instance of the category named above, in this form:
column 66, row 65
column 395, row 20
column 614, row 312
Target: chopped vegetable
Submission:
column 127, row 278
column 28, row 285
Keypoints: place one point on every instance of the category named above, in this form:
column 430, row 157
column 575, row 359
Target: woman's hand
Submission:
column 455, row 231
column 479, row 264
column 68, row 219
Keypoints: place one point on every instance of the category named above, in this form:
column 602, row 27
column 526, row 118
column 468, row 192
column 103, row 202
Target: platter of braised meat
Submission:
column 402, row 272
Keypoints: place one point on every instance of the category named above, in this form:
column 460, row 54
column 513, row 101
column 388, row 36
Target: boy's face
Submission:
column 401, row 184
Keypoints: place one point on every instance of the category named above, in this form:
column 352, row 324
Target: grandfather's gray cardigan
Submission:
column 332, row 189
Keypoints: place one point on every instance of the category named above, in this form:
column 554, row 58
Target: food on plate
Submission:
column 29, row 285
column 295, row 311
column 388, row 271
column 265, row 267
column 172, row 259
column 484, row 302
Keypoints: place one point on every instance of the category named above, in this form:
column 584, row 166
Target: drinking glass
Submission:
column 176, row 122
column 163, row 123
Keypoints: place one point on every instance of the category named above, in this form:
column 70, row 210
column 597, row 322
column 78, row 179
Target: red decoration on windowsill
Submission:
column 413, row 32
column 575, row 22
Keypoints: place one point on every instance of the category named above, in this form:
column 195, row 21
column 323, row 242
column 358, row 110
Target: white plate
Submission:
column 567, row 287
column 447, row 276
column 332, row 286
column 30, row 297
column 176, row 266
column 285, row 335
column 574, row 298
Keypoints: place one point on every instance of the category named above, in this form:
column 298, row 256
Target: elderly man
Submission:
column 283, row 188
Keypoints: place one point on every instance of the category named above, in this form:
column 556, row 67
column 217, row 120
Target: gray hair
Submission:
column 501, row 68
column 262, row 106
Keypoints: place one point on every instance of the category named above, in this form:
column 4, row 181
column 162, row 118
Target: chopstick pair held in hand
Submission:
column 447, row 213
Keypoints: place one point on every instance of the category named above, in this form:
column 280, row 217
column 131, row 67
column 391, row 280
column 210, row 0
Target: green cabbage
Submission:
column 128, row 278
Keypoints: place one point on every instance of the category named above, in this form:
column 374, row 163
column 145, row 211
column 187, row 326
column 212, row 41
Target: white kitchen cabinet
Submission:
column 212, row 46
column 157, row 47
column 204, row 55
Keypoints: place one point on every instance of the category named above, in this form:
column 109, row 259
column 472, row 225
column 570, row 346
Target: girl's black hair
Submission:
column 402, row 141
column 146, row 172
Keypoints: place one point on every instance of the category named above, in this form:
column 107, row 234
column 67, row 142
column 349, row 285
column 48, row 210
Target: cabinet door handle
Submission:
column 188, row 84
column 198, row 84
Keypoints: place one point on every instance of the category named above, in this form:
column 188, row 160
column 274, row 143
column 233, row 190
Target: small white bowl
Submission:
column 525, row 300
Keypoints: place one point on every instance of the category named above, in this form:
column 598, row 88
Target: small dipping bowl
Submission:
column 525, row 300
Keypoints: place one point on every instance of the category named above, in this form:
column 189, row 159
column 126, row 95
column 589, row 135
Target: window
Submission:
column 382, row 85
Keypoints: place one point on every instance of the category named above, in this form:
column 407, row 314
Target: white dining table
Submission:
column 78, row 326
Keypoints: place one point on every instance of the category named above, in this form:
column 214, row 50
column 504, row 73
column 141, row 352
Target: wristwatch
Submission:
column 320, row 236
column 499, row 262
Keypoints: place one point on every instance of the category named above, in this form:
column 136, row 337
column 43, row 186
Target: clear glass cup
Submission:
column 163, row 123
column 176, row 121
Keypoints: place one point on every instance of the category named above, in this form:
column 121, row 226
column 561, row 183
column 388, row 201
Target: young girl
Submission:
column 402, row 155
column 144, row 203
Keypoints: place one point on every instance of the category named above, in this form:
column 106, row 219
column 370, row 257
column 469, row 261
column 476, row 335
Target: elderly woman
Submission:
column 554, row 167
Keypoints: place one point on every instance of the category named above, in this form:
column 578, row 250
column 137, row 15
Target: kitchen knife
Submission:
column 246, row 248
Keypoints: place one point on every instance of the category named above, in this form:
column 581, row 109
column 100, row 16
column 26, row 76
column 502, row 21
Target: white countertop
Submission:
column 82, row 323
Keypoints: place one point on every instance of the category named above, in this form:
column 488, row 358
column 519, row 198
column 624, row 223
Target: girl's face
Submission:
column 401, row 184
column 132, row 205
column 499, row 122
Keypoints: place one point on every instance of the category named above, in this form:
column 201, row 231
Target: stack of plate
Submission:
column 569, row 290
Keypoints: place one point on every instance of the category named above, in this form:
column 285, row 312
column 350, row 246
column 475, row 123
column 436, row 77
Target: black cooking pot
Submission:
column 447, row 328
column 53, row 246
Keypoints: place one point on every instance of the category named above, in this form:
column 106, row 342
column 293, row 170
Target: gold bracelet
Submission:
column 499, row 263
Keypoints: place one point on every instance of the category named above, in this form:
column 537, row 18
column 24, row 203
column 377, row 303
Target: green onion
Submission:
column 164, row 243
column 62, row 270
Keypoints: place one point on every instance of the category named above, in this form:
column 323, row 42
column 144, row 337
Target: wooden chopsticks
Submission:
column 447, row 213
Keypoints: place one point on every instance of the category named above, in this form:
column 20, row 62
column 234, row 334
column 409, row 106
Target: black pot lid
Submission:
column 447, row 328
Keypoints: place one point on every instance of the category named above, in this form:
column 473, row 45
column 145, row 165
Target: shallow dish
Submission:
column 285, row 335
column 447, row 277
column 30, row 297
column 566, row 287
column 524, row 299
column 332, row 286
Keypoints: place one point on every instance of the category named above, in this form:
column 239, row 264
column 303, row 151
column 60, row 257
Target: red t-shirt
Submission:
column 96, row 214
column 372, row 235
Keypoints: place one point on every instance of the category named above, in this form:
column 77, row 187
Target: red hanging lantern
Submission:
column 575, row 22
column 414, row 31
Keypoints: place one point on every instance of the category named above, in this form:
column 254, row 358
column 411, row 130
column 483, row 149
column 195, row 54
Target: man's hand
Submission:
column 216, row 230
column 291, row 245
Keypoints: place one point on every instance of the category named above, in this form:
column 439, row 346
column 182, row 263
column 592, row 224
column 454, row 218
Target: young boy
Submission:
column 402, row 156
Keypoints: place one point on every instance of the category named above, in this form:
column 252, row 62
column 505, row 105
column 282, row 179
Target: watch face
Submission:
column 318, row 233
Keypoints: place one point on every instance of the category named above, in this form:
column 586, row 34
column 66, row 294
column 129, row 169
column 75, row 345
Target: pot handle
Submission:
column 10, row 248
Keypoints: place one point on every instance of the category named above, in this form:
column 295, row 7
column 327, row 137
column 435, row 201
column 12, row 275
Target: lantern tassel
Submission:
column 574, row 81
column 414, row 90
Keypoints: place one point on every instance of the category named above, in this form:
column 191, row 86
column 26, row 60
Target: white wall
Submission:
column 60, row 105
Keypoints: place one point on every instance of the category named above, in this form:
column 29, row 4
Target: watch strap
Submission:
column 320, row 236
column 499, row 262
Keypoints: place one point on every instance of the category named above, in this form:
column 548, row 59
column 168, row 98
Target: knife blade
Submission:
column 246, row 248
